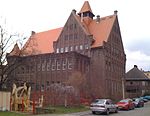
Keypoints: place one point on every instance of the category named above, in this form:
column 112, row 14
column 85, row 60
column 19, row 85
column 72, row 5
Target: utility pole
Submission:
column 123, row 88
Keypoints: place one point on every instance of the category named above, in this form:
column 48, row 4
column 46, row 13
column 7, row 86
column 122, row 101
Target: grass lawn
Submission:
column 63, row 110
column 58, row 110
column 11, row 114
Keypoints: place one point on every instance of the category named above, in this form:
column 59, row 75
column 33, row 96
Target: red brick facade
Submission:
column 91, row 47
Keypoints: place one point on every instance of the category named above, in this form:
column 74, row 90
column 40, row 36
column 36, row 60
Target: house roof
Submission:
column 101, row 30
column 135, row 74
column 86, row 7
column 40, row 43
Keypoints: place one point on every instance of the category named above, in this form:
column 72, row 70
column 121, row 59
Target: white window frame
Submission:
column 61, row 50
column 57, row 50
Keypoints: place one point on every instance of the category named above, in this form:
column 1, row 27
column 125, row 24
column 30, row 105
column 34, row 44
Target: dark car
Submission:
column 146, row 97
column 145, row 100
column 138, row 102
column 126, row 104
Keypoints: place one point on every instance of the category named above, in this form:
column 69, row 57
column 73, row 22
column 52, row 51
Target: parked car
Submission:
column 146, row 97
column 103, row 106
column 138, row 102
column 145, row 100
column 126, row 104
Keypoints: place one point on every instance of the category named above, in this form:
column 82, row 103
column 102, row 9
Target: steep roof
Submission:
column 101, row 30
column 42, row 42
column 135, row 74
column 86, row 7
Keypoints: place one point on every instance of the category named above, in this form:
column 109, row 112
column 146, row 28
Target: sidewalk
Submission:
column 71, row 114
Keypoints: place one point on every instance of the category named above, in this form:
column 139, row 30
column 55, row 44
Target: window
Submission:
column 48, row 66
column 42, row 87
column 70, row 36
column 47, row 83
column 75, row 26
column 81, row 47
column 43, row 65
column 71, row 27
column 76, row 48
column 57, row 50
column 38, row 67
column 71, row 48
column 66, row 49
column 86, row 46
column 75, row 36
column 131, row 83
column 64, row 64
column 70, row 64
column 37, row 87
column 62, row 50
column 23, row 70
column 58, row 65
column 53, row 65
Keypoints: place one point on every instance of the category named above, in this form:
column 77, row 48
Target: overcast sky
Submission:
column 41, row 15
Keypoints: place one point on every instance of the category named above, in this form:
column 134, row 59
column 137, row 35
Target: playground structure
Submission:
column 20, row 99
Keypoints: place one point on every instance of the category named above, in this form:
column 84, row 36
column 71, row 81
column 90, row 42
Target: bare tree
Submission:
column 7, row 41
column 63, row 91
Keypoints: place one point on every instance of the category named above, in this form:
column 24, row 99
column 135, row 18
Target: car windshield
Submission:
column 100, row 101
column 136, row 99
column 124, row 100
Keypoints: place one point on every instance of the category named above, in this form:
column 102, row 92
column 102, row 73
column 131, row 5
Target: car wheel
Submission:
column 116, row 111
column 93, row 112
column 128, row 108
column 133, row 108
column 107, row 112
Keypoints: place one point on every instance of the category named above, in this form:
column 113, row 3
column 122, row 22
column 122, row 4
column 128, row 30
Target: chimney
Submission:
column 135, row 66
column 74, row 11
column 98, row 19
column 32, row 33
column 115, row 12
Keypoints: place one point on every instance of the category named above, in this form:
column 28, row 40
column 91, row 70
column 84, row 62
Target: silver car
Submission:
column 103, row 106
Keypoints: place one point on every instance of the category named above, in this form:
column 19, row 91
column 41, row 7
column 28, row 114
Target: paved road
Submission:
column 145, row 111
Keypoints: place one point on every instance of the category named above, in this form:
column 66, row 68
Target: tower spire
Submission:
column 86, row 13
column 86, row 7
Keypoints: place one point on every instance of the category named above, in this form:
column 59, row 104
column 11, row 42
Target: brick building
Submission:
column 88, row 46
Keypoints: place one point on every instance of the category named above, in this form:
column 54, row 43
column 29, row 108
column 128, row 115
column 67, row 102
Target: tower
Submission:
column 86, row 13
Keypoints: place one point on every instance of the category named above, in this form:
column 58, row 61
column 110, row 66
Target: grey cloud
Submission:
column 142, row 45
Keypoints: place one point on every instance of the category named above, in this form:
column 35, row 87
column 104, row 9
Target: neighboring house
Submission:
column 88, row 46
column 147, row 73
column 137, row 83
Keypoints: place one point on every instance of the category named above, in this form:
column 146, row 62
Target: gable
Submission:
column 115, row 38
column 74, row 35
